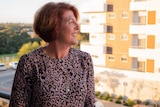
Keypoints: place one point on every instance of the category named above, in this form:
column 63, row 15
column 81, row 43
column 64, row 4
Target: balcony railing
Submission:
column 4, row 95
column 4, row 99
column 138, row 0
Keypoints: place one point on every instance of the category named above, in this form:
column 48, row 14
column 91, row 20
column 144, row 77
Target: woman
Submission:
column 56, row 75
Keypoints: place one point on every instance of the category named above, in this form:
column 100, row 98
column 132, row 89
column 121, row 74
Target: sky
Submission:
column 22, row 11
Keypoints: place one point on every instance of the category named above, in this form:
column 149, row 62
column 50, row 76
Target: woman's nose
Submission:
column 77, row 26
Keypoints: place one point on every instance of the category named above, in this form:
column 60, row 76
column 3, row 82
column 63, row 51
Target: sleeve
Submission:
column 90, row 98
column 22, row 84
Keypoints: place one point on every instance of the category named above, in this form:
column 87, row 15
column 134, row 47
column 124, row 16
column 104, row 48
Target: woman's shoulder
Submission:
column 35, row 54
column 80, row 53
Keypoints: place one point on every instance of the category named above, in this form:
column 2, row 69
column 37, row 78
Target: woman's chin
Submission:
column 75, row 42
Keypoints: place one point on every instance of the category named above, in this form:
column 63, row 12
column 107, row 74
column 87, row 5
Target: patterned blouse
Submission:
column 41, row 81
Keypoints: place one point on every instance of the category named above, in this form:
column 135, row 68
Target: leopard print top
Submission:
column 41, row 81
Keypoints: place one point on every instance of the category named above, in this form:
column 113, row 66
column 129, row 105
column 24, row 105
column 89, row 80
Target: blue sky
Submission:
column 23, row 10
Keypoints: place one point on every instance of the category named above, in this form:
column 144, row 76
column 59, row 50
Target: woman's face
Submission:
column 69, row 29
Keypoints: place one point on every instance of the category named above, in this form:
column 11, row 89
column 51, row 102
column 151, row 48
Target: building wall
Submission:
column 146, row 22
column 121, row 43
column 127, row 34
column 119, row 83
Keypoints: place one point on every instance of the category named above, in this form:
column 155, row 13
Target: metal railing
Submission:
column 5, row 95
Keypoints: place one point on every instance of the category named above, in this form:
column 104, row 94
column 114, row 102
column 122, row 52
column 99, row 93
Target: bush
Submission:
column 130, row 102
column 106, row 96
column 119, row 97
column 110, row 99
column 100, row 96
column 124, row 101
column 126, row 104
column 97, row 93
column 118, row 102
column 146, row 103
column 139, row 101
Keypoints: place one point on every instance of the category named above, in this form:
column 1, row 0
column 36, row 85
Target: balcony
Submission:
column 137, row 29
column 98, row 18
column 97, row 53
column 97, row 38
column 97, row 49
column 144, row 29
column 95, row 7
column 4, row 99
column 137, row 5
column 142, row 53
column 96, row 28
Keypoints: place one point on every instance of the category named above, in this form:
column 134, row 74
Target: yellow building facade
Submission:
column 124, row 35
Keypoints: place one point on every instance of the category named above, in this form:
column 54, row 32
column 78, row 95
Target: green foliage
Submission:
column 13, row 36
column 110, row 99
column 28, row 47
column 4, row 58
column 97, row 93
column 118, row 102
column 130, row 102
column 106, row 96
column 119, row 97
column 35, row 45
column 100, row 96
column 8, row 55
column 146, row 103
column 139, row 101
column 126, row 104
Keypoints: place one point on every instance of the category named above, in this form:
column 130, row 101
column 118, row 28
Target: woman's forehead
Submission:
column 68, row 14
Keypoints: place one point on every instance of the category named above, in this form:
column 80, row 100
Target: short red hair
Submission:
column 48, row 19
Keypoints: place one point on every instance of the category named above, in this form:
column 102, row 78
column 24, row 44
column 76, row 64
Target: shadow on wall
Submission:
column 116, row 83
column 112, row 79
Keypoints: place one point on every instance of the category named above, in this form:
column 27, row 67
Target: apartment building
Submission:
column 145, row 34
column 124, row 35
column 109, row 38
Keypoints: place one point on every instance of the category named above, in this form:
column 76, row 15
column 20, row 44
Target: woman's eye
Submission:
column 71, row 20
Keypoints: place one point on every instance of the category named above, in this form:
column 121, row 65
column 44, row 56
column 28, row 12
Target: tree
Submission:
column 43, row 43
column 35, row 45
column 13, row 36
column 28, row 47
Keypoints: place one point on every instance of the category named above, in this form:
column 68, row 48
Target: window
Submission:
column 111, row 37
column 125, row 15
column 109, row 29
column 124, row 59
column 110, row 7
column 112, row 15
column 124, row 36
column 95, row 56
column 111, row 58
column 93, row 17
column 107, row 50
column 93, row 36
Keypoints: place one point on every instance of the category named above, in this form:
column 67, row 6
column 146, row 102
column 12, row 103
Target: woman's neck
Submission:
column 56, row 51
